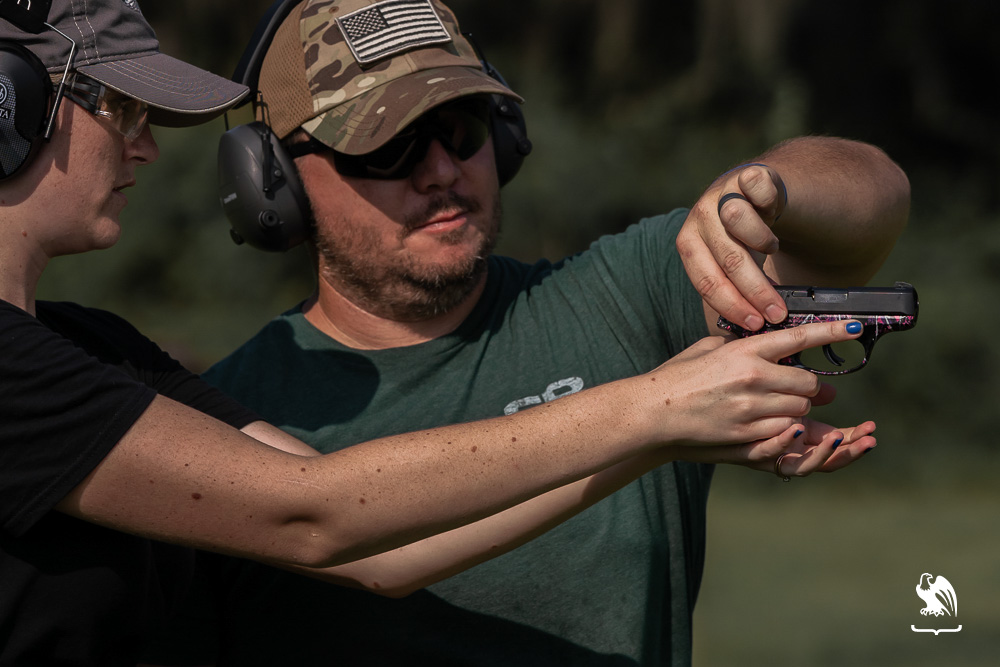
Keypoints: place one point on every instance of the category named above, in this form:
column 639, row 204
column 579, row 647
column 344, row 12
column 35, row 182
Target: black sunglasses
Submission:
column 462, row 127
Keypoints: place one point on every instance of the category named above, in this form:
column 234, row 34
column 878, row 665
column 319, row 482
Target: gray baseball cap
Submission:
column 117, row 47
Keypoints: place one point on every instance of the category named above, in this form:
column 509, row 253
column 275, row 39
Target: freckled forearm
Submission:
column 467, row 472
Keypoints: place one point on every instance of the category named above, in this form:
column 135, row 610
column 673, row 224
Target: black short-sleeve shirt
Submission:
column 72, row 382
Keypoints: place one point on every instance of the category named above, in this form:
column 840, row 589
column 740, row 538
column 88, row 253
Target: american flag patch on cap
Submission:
column 389, row 27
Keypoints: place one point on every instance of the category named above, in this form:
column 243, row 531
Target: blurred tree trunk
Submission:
column 740, row 48
column 617, row 42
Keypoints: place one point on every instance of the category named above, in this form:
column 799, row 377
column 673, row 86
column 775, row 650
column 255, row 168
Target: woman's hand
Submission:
column 803, row 448
column 725, row 393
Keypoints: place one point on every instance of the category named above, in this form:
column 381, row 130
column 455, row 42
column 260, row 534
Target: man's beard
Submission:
column 404, row 290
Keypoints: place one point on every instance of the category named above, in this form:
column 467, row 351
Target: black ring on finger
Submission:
column 726, row 197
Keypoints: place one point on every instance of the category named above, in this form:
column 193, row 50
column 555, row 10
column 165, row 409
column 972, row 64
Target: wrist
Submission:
column 658, row 412
column 638, row 409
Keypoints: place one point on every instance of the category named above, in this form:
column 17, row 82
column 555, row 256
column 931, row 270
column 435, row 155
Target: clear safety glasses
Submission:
column 126, row 114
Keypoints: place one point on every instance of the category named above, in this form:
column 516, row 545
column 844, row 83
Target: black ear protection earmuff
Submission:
column 25, row 89
column 25, row 96
column 260, row 190
column 28, row 106
column 259, row 186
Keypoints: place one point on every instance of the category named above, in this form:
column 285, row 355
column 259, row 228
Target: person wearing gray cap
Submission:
column 392, row 137
column 94, row 51
column 108, row 447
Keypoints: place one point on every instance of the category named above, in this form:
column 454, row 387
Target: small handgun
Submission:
column 881, row 310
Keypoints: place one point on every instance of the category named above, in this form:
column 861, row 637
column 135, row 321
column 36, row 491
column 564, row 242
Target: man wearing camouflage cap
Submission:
column 107, row 443
column 387, row 112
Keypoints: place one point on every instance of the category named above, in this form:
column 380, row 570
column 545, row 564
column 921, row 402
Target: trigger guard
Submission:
column 832, row 356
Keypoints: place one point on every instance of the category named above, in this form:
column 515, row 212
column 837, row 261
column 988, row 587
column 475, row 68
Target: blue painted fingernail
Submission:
column 837, row 443
column 797, row 434
column 854, row 328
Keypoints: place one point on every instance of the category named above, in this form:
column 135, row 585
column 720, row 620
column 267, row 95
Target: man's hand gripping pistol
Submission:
column 880, row 309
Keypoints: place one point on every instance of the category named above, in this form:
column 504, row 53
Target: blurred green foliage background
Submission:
column 634, row 107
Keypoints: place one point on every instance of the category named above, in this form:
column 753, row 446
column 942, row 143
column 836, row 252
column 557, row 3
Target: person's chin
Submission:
column 448, row 267
column 107, row 233
column 449, row 259
column 446, row 239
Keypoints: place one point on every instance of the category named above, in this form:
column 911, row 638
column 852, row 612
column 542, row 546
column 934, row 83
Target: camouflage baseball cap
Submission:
column 353, row 73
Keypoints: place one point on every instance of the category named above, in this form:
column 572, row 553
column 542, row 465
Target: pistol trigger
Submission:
column 868, row 340
column 832, row 356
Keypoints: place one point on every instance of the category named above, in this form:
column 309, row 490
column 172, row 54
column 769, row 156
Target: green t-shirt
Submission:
column 615, row 585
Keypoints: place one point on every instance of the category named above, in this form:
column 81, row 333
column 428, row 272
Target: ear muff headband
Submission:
column 510, row 132
column 260, row 189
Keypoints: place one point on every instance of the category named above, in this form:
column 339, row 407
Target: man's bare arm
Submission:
column 846, row 205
